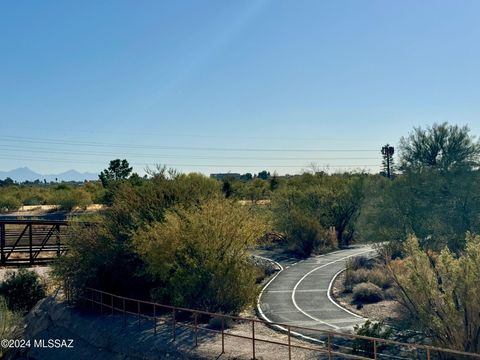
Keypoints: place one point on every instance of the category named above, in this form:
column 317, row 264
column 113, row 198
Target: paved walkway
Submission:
column 299, row 295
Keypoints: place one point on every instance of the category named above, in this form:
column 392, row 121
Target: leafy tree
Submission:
column 333, row 202
column 200, row 255
column 438, row 207
column 441, row 146
column 102, row 255
column 117, row 170
column 257, row 189
column 6, row 182
column 442, row 291
column 227, row 187
column 264, row 175
column 274, row 183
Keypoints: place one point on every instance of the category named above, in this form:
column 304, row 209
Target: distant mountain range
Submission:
column 24, row 174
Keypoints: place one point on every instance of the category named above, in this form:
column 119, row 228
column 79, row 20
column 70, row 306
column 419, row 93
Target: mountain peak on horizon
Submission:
column 24, row 173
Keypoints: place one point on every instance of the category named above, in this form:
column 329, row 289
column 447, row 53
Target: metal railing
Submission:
column 335, row 344
column 30, row 241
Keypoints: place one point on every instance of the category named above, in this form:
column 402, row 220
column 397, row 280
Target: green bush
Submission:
column 365, row 347
column 9, row 324
column 367, row 293
column 201, row 255
column 69, row 199
column 9, row 203
column 22, row 290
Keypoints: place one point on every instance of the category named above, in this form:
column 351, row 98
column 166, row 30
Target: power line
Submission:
column 200, row 136
column 17, row 149
column 132, row 146
column 189, row 165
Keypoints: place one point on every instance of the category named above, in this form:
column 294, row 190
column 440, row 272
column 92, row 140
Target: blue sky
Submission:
column 239, row 86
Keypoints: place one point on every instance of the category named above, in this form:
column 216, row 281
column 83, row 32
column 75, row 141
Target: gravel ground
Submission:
column 383, row 310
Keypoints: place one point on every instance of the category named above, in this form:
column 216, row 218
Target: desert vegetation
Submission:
column 185, row 239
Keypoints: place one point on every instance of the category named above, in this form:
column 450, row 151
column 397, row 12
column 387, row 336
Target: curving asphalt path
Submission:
column 299, row 294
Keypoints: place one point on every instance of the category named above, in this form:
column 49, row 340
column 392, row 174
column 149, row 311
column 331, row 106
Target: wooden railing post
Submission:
column 253, row 339
column 428, row 354
column 375, row 349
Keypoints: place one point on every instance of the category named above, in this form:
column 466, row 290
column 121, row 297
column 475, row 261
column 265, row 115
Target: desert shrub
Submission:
column 360, row 262
column 380, row 277
column 9, row 323
column 215, row 323
column 447, row 307
column 98, row 258
column 354, row 277
column 200, row 255
column 9, row 203
column 22, row 290
column 304, row 234
column 391, row 293
column 101, row 255
column 367, row 293
column 69, row 199
column 365, row 347
column 317, row 212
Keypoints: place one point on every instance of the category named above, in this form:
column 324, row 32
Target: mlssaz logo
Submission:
column 53, row 343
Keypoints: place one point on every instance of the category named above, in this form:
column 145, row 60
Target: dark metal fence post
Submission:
column 196, row 329
column 154, row 319
column 30, row 240
column 329, row 345
column 253, row 338
column 289, row 345
column 173, row 315
column 138, row 313
column 57, row 227
column 124, row 314
column 111, row 302
column 2, row 243
column 223, row 335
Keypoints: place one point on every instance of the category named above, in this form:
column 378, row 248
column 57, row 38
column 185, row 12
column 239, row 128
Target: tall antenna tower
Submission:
column 387, row 152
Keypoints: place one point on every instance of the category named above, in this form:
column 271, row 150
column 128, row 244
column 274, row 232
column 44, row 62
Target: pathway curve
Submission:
column 299, row 294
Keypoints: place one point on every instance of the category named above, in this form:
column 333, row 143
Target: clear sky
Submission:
column 217, row 86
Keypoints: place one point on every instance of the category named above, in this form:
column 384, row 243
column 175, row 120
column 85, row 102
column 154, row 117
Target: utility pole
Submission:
column 387, row 152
